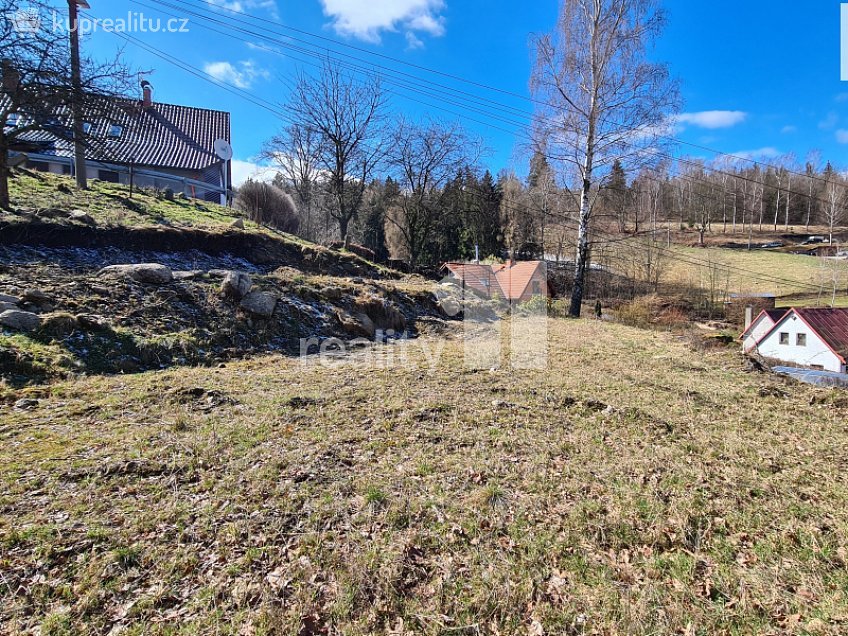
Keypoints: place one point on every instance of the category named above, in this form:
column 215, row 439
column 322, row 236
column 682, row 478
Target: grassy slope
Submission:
column 792, row 267
column 409, row 501
column 110, row 204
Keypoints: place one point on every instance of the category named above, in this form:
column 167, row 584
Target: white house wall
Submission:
column 760, row 328
column 815, row 354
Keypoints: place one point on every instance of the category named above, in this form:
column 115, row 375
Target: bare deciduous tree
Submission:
column 341, row 117
column 603, row 98
column 423, row 158
column 296, row 152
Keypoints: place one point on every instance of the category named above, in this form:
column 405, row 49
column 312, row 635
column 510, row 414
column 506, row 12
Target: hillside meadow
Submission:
column 636, row 486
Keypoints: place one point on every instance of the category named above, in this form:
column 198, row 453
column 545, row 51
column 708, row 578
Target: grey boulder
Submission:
column 358, row 325
column 236, row 285
column 152, row 273
column 261, row 304
column 20, row 320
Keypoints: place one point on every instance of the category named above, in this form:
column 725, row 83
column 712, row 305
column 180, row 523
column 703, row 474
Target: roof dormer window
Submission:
column 87, row 126
column 115, row 131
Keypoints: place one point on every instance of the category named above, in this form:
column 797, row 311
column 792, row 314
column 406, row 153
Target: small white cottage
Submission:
column 813, row 338
column 759, row 327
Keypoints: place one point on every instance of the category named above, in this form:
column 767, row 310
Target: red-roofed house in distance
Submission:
column 807, row 337
column 517, row 281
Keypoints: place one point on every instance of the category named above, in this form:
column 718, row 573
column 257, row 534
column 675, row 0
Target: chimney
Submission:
column 749, row 316
column 147, row 94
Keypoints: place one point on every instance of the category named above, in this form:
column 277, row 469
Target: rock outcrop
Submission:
column 150, row 273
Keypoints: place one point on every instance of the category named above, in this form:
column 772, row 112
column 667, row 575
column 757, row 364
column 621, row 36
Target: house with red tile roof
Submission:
column 155, row 144
column 517, row 281
column 808, row 337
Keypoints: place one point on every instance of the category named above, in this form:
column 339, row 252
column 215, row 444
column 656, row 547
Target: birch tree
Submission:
column 834, row 211
column 602, row 98
column 345, row 117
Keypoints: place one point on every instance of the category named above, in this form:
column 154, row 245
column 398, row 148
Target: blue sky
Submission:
column 758, row 78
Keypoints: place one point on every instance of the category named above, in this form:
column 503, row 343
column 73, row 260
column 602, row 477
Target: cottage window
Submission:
column 784, row 338
column 801, row 340
column 537, row 288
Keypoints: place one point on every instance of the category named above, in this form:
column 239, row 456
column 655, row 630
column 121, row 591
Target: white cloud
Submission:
column 244, row 170
column 769, row 152
column 788, row 130
column 712, row 119
column 413, row 42
column 241, row 75
column 842, row 136
column 245, row 6
column 367, row 19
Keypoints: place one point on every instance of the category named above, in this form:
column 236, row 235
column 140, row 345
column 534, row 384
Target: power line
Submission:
column 450, row 76
column 267, row 105
column 525, row 128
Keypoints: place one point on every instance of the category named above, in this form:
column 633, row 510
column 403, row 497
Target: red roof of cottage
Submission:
column 773, row 314
column 480, row 278
column 514, row 280
column 498, row 281
column 831, row 325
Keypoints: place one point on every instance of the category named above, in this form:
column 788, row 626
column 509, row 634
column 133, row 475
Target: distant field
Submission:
column 634, row 487
column 799, row 273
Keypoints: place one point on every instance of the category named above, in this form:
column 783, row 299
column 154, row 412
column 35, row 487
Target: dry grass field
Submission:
column 740, row 270
column 634, row 487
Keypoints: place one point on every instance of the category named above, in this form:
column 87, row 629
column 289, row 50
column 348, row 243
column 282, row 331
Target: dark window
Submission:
column 537, row 287
column 784, row 338
column 108, row 175
column 41, row 166
column 115, row 131
column 801, row 340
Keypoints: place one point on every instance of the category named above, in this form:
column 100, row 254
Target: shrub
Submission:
column 636, row 313
column 537, row 305
column 268, row 205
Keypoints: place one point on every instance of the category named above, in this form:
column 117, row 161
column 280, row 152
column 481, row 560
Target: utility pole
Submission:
column 76, row 93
